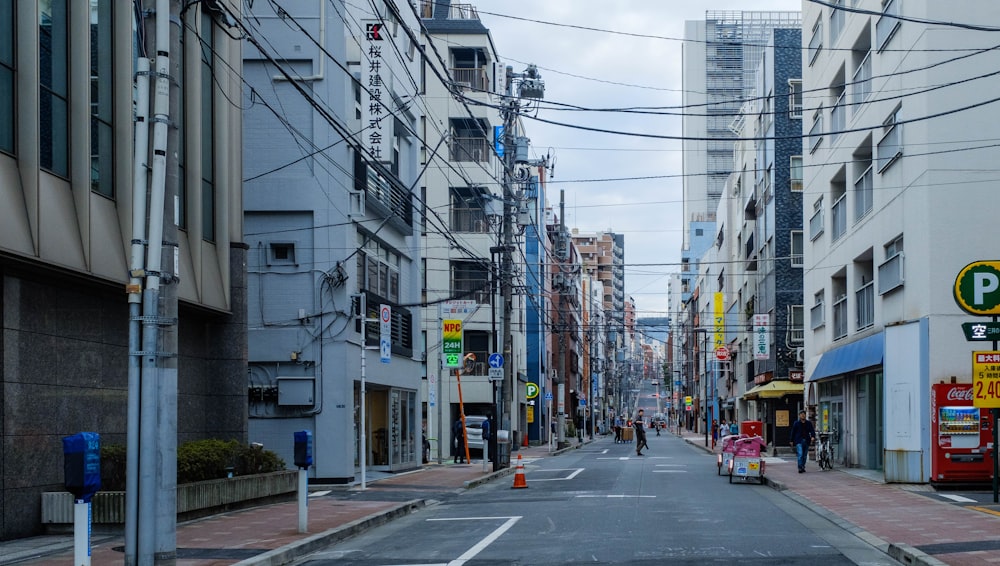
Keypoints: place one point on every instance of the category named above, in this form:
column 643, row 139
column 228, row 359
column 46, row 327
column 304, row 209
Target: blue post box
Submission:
column 82, row 464
column 303, row 448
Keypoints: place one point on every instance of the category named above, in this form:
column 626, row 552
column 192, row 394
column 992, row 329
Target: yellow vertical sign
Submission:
column 451, row 343
column 719, row 317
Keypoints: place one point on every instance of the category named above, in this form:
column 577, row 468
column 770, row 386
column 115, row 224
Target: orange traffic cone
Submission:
column 525, row 443
column 519, row 481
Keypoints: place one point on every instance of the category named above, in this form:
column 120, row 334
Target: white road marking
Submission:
column 576, row 472
column 617, row 496
column 670, row 471
column 319, row 493
column 488, row 540
column 957, row 498
column 674, row 465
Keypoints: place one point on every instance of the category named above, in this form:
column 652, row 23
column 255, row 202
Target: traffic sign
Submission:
column 722, row 354
column 548, row 396
column 496, row 374
column 977, row 287
column 385, row 333
column 531, row 390
column 496, row 360
column 687, row 400
column 981, row 331
column 583, row 402
column 451, row 343
column 986, row 380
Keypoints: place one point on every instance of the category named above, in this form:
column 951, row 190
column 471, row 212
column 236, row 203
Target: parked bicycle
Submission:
column 824, row 450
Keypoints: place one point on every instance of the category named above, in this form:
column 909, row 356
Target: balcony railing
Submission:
column 817, row 316
column 861, row 87
column 836, row 21
column 840, row 318
column 816, row 42
column 475, row 150
column 472, row 289
column 816, row 131
column 888, row 148
column 864, row 193
column 890, row 274
column 839, row 218
column 816, row 224
column 837, row 118
column 474, row 78
column 887, row 25
column 864, row 304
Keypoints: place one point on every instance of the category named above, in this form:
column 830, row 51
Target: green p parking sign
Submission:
column 977, row 288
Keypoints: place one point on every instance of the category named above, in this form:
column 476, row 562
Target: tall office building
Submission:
column 720, row 57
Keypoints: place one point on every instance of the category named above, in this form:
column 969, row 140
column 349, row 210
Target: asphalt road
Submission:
column 602, row 504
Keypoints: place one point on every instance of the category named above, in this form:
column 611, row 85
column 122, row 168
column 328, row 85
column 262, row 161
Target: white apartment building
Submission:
column 463, row 209
column 882, row 175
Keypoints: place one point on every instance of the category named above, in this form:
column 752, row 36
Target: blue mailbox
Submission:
column 82, row 464
column 303, row 448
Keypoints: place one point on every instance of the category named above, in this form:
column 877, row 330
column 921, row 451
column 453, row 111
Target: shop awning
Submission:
column 774, row 390
column 857, row 355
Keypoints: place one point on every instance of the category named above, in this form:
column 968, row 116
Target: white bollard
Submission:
column 303, row 500
column 81, row 533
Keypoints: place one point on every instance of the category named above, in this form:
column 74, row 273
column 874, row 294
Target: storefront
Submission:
column 778, row 403
column 847, row 389
column 393, row 434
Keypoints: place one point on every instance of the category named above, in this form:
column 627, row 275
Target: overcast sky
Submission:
column 608, row 70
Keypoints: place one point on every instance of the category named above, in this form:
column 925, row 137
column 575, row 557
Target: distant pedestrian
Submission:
column 733, row 428
column 618, row 430
column 802, row 434
column 723, row 429
column 640, row 434
column 458, row 441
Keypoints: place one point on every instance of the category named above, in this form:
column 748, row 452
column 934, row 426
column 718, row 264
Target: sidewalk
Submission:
column 268, row 535
column 911, row 527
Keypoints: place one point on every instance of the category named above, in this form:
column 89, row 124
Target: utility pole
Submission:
column 530, row 86
column 562, row 252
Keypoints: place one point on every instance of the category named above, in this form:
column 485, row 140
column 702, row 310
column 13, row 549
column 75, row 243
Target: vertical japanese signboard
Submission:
column 986, row 380
column 719, row 318
column 375, row 95
column 761, row 336
column 451, row 343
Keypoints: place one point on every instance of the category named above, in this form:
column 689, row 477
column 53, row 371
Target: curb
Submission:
column 909, row 555
column 290, row 552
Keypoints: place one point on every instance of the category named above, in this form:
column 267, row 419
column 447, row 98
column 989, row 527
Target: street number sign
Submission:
column 977, row 288
column 451, row 343
column 986, row 380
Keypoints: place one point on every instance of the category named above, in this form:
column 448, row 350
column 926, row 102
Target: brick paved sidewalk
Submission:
column 269, row 534
column 895, row 513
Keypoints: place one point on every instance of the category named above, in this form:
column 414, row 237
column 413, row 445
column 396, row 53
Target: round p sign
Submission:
column 977, row 288
column 531, row 390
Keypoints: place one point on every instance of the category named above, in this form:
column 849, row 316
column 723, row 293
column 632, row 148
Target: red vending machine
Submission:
column 961, row 447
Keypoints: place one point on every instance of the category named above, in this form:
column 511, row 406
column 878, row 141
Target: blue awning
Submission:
column 857, row 355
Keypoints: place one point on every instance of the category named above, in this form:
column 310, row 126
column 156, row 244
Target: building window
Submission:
column 839, row 307
column 467, row 211
column 7, row 76
column 890, row 147
column 281, row 253
column 864, row 296
column 861, row 82
column 378, row 268
column 470, row 280
column 890, row 271
column 795, row 98
column 817, row 314
column 816, row 221
column 53, row 94
column 816, row 41
column 795, row 173
column 887, row 24
column 838, row 223
column 207, row 129
column 101, row 133
column 796, row 324
column 796, row 248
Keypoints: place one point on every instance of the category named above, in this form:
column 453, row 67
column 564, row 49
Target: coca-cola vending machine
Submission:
column 961, row 450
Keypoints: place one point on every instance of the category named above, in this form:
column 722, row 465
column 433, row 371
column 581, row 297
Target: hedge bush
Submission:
column 198, row 460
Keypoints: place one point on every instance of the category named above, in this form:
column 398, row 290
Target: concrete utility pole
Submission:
column 562, row 251
column 529, row 86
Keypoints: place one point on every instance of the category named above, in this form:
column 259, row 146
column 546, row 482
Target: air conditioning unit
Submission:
column 800, row 354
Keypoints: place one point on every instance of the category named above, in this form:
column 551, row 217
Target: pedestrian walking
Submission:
column 802, row 434
column 487, row 454
column 640, row 434
column 618, row 430
column 458, row 442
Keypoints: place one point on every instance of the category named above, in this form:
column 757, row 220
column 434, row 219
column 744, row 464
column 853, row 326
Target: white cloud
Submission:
column 651, row 226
